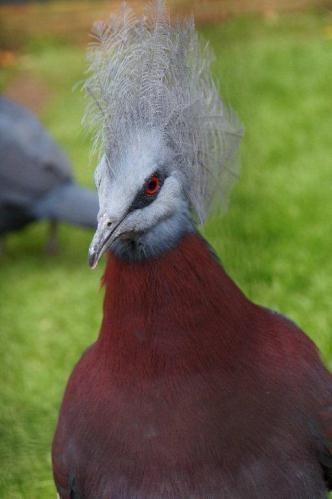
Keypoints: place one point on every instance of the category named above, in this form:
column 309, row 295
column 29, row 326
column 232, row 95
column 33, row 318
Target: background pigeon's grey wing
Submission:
column 31, row 164
column 69, row 203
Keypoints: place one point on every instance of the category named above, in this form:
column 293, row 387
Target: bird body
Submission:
column 36, row 180
column 191, row 390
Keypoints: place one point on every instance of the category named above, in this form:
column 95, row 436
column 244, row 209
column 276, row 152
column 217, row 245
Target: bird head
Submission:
column 143, row 211
column 166, row 138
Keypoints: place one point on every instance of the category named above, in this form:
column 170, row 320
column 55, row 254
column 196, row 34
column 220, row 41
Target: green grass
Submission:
column 275, row 240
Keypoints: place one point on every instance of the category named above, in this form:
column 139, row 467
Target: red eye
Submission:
column 152, row 186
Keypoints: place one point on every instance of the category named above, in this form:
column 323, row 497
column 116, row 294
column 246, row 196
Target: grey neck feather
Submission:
column 158, row 240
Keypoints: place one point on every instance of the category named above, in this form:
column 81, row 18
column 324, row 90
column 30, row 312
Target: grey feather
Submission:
column 36, row 180
column 69, row 203
column 150, row 74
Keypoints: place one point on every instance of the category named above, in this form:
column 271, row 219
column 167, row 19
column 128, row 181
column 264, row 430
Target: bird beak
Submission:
column 98, row 244
column 103, row 238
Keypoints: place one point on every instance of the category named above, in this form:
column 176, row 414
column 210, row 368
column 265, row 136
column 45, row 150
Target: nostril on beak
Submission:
column 105, row 220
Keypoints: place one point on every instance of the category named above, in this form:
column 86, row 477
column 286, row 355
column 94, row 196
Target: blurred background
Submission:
column 274, row 66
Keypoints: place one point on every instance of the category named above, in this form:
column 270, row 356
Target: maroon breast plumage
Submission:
column 190, row 391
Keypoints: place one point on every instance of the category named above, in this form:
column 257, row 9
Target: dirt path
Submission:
column 28, row 90
column 73, row 20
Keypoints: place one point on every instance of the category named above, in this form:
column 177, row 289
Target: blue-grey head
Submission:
column 167, row 140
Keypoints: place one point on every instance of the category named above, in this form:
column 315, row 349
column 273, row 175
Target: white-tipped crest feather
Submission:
column 149, row 74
